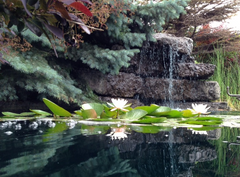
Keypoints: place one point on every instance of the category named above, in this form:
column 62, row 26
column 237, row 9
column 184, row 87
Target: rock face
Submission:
column 162, row 72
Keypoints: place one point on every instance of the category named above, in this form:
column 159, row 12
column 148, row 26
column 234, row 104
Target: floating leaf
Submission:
column 174, row 114
column 161, row 111
column 105, row 120
column 204, row 122
column 78, row 112
column 108, row 112
column 23, row 114
column 57, row 110
column 79, row 6
column 205, row 128
column 187, row 113
column 96, row 106
column 209, row 118
column 89, row 113
column 40, row 112
column 149, row 109
column 10, row 114
column 134, row 114
column 150, row 120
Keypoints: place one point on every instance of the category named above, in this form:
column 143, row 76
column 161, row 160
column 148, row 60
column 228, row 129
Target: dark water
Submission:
column 47, row 149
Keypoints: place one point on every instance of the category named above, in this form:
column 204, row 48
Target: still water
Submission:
column 67, row 149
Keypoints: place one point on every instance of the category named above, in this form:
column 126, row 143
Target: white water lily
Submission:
column 118, row 133
column 199, row 109
column 118, row 104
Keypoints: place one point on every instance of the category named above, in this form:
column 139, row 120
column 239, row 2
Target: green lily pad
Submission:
column 134, row 114
column 23, row 114
column 96, row 106
column 161, row 111
column 187, row 113
column 57, row 110
column 89, row 113
column 149, row 109
column 105, row 120
column 209, row 119
column 78, row 112
column 204, row 122
column 174, row 114
column 150, row 120
column 10, row 114
column 205, row 128
column 40, row 112
column 108, row 112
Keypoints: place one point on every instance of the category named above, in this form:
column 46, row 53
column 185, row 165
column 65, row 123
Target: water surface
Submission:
column 69, row 149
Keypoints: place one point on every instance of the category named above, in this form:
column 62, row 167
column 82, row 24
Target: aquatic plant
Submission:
column 153, row 114
column 118, row 104
column 199, row 109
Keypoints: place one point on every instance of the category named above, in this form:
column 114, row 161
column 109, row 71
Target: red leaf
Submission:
column 79, row 6
column 60, row 8
column 71, row 1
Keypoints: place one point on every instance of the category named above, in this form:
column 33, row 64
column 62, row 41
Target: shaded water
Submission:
column 45, row 148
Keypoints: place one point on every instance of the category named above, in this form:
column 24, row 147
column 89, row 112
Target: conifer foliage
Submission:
column 38, row 70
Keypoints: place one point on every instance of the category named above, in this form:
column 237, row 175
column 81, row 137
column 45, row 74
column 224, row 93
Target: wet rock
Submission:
column 194, row 71
column 121, row 85
column 177, row 90
column 181, row 44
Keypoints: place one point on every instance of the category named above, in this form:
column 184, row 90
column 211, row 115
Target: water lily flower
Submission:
column 118, row 104
column 199, row 109
column 118, row 133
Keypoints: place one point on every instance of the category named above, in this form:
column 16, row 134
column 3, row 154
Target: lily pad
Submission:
column 174, row 114
column 40, row 112
column 134, row 114
column 57, row 110
column 187, row 113
column 161, row 111
column 78, row 112
column 209, row 119
column 150, row 120
column 204, row 122
column 96, row 106
column 89, row 113
column 205, row 128
column 23, row 114
column 149, row 109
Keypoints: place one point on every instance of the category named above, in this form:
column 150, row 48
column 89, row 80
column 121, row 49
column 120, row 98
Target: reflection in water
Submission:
column 59, row 150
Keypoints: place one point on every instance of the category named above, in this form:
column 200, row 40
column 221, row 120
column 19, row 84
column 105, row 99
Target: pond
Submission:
column 43, row 148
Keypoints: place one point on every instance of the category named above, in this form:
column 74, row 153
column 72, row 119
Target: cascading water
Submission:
column 169, row 59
